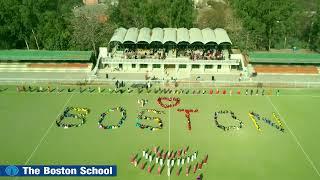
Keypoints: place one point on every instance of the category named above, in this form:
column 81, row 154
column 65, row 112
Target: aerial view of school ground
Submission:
column 153, row 90
column 255, row 150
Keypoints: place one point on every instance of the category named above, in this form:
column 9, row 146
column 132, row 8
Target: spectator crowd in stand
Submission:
column 160, row 53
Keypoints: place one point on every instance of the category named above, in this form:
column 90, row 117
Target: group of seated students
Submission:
column 69, row 125
column 44, row 89
column 227, row 128
column 161, row 100
column 178, row 91
column 121, row 121
column 31, row 89
column 157, row 120
column 151, row 128
column 79, row 113
column 268, row 121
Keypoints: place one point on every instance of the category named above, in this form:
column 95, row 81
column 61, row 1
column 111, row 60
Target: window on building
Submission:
column 182, row 66
column 208, row 66
column 234, row 67
column 219, row 66
column 156, row 66
column 143, row 66
column 120, row 66
column 133, row 66
column 195, row 66
column 169, row 66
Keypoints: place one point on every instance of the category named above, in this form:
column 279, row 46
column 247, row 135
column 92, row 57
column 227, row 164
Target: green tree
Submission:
column 182, row 13
column 315, row 32
column 35, row 24
column 53, row 22
column 11, row 29
column 53, row 31
column 266, row 21
column 89, row 32
column 130, row 13
column 214, row 17
column 148, row 13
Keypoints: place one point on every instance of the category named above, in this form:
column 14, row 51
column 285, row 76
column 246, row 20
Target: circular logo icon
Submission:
column 12, row 170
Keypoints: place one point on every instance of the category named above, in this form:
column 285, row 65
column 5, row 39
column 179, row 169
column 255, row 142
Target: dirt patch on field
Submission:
column 287, row 69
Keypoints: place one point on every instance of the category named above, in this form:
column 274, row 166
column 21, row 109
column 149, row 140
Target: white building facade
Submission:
column 171, row 52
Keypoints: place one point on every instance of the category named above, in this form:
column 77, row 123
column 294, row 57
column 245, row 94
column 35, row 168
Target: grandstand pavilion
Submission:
column 174, row 51
column 285, row 63
column 45, row 61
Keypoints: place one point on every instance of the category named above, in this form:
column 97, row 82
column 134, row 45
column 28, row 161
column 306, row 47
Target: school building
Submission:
column 169, row 52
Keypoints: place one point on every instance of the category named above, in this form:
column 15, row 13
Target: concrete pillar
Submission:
column 202, row 68
column 225, row 68
column 138, row 67
column 130, row 67
column 215, row 68
column 125, row 67
column 189, row 67
column 162, row 67
column 162, row 70
column 177, row 67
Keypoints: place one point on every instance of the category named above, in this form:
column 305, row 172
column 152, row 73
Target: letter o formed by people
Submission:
column 121, row 121
column 227, row 128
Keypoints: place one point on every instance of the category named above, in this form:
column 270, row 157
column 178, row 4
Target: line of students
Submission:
column 119, row 89
column 263, row 92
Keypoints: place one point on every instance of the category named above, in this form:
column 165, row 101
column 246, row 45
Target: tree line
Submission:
column 35, row 24
column 278, row 24
column 67, row 25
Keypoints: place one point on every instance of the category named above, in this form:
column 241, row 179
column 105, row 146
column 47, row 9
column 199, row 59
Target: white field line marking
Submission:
column 45, row 135
column 295, row 138
column 47, row 131
column 169, row 135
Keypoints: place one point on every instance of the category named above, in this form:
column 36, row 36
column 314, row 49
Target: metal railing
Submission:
column 164, row 83
column 168, row 61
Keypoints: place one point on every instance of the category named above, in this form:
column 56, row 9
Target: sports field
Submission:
column 29, row 134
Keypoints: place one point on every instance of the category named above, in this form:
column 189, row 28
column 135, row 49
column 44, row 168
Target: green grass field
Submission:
column 29, row 135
